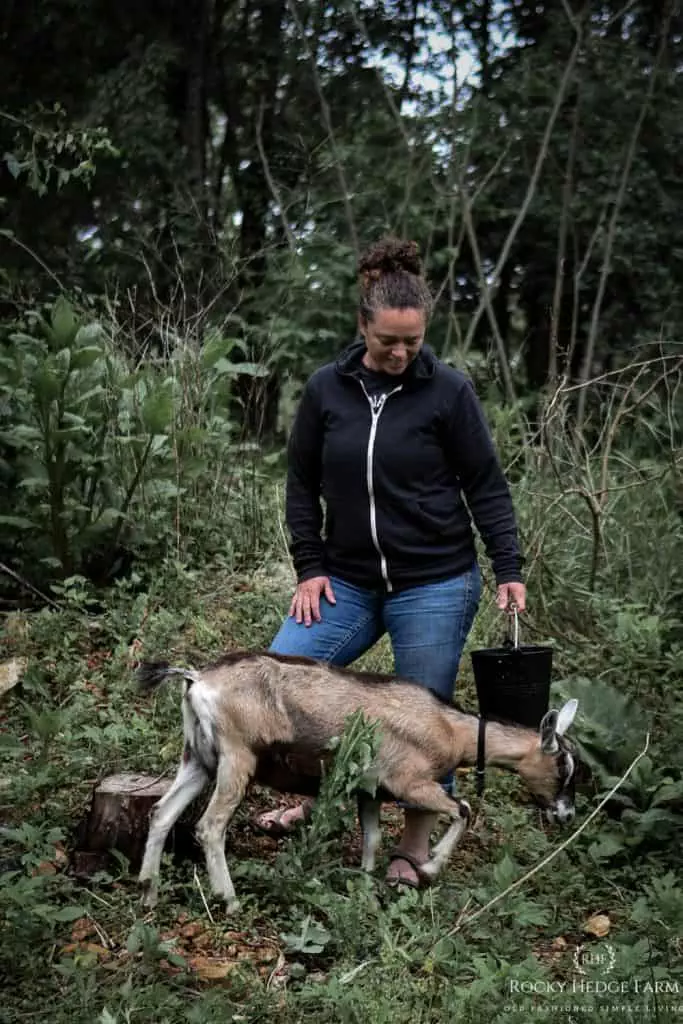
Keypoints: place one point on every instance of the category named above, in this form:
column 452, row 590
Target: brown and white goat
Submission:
column 243, row 709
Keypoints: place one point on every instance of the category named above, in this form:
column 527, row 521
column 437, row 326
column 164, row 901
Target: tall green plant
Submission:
column 101, row 455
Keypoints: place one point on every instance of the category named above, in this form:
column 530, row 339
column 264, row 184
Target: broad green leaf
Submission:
column 159, row 444
column 34, row 483
column 157, row 409
column 214, row 349
column 64, row 323
column 607, row 845
column 46, row 385
column 62, row 361
column 90, row 334
column 669, row 792
column 17, row 521
column 225, row 367
column 82, row 358
column 88, row 395
column 68, row 914
column 13, row 165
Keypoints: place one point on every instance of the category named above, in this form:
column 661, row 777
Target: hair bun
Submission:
column 388, row 256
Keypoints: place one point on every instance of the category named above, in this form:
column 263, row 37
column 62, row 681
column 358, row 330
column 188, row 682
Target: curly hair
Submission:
column 390, row 276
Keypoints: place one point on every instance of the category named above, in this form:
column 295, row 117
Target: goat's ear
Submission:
column 548, row 730
column 566, row 716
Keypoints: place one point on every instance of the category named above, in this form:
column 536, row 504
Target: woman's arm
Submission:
column 303, row 508
column 473, row 455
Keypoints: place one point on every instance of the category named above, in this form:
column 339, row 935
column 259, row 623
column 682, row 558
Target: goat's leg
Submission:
column 235, row 769
column 368, row 814
column 188, row 784
column 430, row 796
column 443, row 850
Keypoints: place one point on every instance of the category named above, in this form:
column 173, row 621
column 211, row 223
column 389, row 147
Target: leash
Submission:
column 513, row 640
column 481, row 758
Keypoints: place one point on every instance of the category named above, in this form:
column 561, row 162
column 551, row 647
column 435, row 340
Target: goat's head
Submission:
column 549, row 769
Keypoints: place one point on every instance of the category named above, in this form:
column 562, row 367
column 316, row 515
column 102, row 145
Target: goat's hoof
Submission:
column 465, row 810
column 150, row 893
column 149, row 898
column 232, row 906
column 428, row 871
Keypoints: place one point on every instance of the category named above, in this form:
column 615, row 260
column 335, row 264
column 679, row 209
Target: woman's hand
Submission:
column 509, row 594
column 306, row 601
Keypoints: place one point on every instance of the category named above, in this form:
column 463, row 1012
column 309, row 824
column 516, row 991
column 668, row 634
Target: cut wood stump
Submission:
column 118, row 819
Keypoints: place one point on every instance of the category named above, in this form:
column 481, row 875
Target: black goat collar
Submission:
column 481, row 759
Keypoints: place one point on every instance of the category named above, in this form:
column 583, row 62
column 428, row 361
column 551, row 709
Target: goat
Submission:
column 239, row 712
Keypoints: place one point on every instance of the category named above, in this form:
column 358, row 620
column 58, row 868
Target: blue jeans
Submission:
column 428, row 626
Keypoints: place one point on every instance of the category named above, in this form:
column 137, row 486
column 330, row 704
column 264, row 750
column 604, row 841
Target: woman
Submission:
column 391, row 438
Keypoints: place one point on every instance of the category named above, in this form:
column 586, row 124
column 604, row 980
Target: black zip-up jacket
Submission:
column 392, row 471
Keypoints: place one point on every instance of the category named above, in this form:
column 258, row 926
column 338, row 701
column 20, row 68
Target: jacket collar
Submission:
column 422, row 368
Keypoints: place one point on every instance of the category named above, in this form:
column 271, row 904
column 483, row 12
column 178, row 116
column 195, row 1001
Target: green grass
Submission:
column 315, row 939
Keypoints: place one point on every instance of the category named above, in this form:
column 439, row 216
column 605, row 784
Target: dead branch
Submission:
column 272, row 184
column 503, row 360
column 29, row 586
column 562, row 246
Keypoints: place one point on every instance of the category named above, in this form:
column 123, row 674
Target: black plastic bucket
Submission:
column 513, row 681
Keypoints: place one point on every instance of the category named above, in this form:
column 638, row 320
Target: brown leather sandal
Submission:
column 397, row 854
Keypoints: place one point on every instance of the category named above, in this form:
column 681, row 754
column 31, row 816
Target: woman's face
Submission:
column 393, row 339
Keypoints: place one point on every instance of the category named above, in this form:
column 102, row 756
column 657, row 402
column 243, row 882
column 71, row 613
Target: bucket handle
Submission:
column 513, row 627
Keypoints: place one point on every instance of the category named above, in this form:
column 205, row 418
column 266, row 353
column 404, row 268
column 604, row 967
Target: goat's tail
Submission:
column 150, row 674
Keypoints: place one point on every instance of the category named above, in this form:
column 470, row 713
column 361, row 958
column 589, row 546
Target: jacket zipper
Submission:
column 376, row 405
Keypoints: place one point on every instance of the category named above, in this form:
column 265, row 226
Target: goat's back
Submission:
column 277, row 699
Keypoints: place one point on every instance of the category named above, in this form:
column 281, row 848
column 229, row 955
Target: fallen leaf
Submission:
column 81, row 929
column 87, row 947
column 51, row 867
column 191, row 930
column 559, row 943
column 265, row 954
column 101, row 952
column 211, row 970
column 46, row 867
column 598, row 925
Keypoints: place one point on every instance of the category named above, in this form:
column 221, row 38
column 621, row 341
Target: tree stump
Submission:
column 118, row 819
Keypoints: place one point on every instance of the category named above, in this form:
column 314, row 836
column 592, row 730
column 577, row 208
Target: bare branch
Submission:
column 503, row 361
column 272, row 184
column 562, row 247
